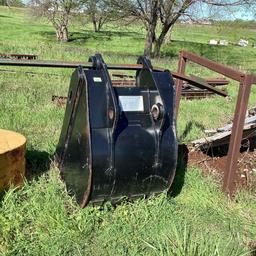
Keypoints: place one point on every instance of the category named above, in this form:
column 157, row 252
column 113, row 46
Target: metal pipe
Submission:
column 181, row 70
column 236, row 135
column 199, row 84
column 60, row 64
column 214, row 66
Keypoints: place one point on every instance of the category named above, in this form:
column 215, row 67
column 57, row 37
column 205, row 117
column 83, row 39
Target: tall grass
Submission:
column 41, row 219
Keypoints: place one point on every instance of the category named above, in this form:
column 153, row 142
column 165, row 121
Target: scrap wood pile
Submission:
column 210, row 152
column 221, row 136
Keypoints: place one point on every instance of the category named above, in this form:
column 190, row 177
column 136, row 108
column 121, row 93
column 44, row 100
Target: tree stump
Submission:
column 12, row 159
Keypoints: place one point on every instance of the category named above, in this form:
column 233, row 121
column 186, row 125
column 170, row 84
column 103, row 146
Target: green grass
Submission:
column 41, row 218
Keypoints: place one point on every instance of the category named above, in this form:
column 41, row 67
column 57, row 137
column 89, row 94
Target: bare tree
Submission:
column 4, row 3
column 162, row 15
column 100, row 12
column 12, row 3
column 57, row 12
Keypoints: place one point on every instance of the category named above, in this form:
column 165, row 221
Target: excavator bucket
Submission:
column 118, row 141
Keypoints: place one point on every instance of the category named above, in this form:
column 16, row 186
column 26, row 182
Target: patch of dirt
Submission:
column 216, row 164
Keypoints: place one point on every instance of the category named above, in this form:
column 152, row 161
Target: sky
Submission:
column 224, row 13
column 203, row 12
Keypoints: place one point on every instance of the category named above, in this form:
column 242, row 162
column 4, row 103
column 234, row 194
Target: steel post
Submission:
column 179, row 82
column 230, row 175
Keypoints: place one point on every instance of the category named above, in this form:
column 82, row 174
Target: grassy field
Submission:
column 41, row 219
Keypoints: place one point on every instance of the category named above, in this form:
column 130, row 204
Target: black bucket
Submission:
column 118, row 142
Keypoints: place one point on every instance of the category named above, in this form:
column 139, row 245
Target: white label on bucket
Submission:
column 131, row 103
column 97, row 79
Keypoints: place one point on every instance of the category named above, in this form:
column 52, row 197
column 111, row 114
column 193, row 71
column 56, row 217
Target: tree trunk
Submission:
column 62, row 33
column 150, row 40
column 149, row 43
column 57, row 32
column 157, row 47
column 167, row 38
column 160, row 40
column 94, row 22
column 151, row 29
column 100, row 24
column 64, row 30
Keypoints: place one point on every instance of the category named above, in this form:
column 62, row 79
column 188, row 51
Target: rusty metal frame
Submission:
column 245, row 83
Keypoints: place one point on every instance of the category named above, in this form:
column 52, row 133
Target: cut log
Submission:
column 12, row 159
